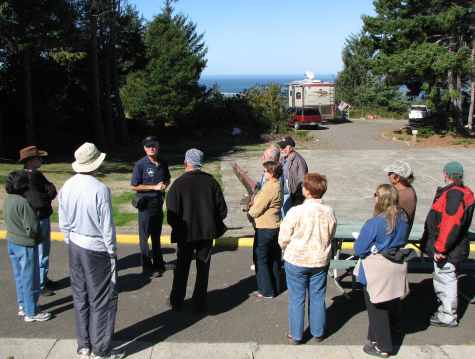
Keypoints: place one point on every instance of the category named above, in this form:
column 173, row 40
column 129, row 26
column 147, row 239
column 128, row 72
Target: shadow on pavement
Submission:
column 135, row 260
column 157, row 328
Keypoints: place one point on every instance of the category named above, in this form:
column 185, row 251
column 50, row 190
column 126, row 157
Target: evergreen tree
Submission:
column 424, row 45
column 167, row 90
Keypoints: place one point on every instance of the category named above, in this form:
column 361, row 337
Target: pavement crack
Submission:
column 51, row 349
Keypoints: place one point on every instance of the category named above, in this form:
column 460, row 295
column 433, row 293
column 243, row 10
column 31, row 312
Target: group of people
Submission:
column 303, row 233
column 293, row 226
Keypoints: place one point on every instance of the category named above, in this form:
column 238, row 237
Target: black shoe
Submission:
column 319, row 339
column 50, row 284
column 175, row 307
column 45, row 292
column 159, row 270
column 372, row 349
column 293, row 341
column 436, row 322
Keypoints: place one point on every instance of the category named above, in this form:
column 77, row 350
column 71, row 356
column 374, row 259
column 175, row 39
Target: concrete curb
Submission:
column 66, row 348
column 228, row 242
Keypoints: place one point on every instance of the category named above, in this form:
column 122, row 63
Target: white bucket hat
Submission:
column 401, row 168
column 88, row 158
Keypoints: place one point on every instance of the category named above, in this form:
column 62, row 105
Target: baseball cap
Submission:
column 401, row 168
column 150, row 141
column 454, row 170
column 286, row 141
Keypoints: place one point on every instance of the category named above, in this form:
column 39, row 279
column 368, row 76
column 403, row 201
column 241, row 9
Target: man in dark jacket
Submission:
column 150, row 179
column 295, row 168
column 445, row 239
column 39, row 195
column 195, row 210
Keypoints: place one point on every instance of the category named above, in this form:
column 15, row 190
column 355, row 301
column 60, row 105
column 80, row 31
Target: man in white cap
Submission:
column 85, row 218
column 401, row 176
column 195, row 210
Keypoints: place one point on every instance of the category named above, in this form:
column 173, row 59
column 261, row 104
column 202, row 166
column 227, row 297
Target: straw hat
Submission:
column 88, row 158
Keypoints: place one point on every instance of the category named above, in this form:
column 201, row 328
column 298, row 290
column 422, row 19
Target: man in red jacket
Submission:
column 445, row 239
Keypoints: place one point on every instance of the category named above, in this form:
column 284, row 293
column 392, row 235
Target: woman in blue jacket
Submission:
column 385, row 281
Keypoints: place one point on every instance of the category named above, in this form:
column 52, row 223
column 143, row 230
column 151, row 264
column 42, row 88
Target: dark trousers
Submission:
column 268, row 262
column 150, row 225
column 380, row 315
column 93, row 283
column 186, row 250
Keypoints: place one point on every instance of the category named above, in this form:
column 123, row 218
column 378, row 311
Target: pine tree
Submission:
column 424, row 45
column 167, row 90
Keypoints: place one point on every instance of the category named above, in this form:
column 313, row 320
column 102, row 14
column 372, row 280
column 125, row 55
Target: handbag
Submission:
column 399, row 255
column 139, row 201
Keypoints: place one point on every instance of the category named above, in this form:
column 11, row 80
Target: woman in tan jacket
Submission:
column 265, row 210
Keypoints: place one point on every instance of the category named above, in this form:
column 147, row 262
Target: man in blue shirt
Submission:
column 150, row 179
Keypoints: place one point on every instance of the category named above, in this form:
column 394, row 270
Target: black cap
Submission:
column 150, row 141
column 286, row 141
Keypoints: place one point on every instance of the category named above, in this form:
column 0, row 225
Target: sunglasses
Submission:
column 151, row 146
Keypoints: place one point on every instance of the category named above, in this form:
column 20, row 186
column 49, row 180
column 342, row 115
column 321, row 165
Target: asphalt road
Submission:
column 235, row 315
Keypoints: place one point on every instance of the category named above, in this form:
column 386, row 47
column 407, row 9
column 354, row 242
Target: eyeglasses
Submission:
column 151, row 146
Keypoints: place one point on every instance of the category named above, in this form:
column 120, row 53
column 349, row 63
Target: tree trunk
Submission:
column 2, row 137
column 95, row 87
column 29, row 120
column 109, row 120
column 472, row 91
column 119, row 108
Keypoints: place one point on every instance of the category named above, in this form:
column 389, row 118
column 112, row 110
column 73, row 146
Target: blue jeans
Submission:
column 299, row 281
column 268, row 258
column 43, row 249
column 25, row 270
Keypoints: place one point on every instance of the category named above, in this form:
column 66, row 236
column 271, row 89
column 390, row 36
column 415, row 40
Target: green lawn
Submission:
column 116, row 175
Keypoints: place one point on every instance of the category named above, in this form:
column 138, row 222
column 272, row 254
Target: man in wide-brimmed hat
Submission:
column 39, row 195
column 85, row 218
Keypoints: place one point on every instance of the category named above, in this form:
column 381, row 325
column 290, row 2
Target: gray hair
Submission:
column 271, row 154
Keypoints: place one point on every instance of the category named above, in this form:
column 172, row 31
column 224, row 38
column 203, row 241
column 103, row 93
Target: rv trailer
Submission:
column 310, row 102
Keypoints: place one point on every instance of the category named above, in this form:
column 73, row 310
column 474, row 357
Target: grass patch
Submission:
column 302, row 135
column 464, row 141
column 121, row 217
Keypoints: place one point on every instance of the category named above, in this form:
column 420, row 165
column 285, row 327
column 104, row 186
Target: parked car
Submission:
column 305, row 117
column 419, row 116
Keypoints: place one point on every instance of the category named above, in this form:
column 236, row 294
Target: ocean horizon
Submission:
column 233, row 84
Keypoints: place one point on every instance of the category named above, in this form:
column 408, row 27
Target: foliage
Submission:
column 423, row 45
column 54, row 36
column 358, row 85
column 267, row 102
column 167, row 90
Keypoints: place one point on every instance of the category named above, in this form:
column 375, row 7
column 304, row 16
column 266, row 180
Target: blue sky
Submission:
column 270, row 37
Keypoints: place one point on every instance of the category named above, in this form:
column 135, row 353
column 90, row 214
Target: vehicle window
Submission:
column 311, row 111
column 298, row 95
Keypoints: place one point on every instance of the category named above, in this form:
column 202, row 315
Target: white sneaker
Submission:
column 84, row 353
column 40, row 317
column 21, row 312
column 112, row 355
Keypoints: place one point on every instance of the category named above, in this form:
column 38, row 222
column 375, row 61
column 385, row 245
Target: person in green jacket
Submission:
column 22, row 234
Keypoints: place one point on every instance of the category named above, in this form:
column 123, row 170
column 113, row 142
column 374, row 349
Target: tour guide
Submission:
column 150, row 178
